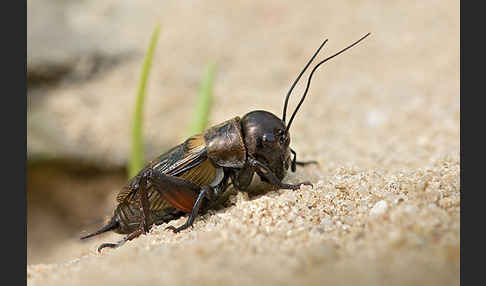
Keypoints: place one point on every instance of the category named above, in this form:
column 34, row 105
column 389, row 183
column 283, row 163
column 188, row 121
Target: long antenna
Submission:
column 297, row 79
column 312, row 72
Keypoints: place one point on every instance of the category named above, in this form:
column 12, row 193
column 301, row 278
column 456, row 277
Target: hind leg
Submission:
column 206, row 191
column 141, row 184
column 131, row 236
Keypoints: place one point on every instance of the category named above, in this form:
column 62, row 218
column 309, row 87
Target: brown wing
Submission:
column 182, row 157
column 187, row 161
column 156, row 201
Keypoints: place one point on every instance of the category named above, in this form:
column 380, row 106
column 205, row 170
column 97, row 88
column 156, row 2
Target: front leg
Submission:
column 294, row 163
column 264, row 171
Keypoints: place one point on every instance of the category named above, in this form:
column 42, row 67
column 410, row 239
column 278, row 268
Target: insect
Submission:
column 188, row 177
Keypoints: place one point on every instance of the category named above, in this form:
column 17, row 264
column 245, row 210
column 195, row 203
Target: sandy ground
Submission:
column 355, row 227
column 382, row 120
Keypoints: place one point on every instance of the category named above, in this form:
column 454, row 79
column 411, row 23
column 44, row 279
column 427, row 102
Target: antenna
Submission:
column 297, row 79
column 312, row 73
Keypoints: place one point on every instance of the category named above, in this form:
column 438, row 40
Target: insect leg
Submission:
column 141, row 185
column 264, row 171
column 131, row 236
column 144, row 211
column 242, row 178
column 300, row 163
column 205, row 192
column 180, row 193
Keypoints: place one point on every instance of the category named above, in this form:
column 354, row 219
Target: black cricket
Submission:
column 188, row 177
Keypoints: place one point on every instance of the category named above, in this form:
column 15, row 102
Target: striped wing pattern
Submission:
column 187, row 160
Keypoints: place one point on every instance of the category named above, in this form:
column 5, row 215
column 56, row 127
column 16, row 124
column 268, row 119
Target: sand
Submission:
column 382, row 120
column 356, row 227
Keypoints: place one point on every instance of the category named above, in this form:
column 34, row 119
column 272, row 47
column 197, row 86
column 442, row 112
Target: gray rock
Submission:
column 73, row 38
column 71, row 44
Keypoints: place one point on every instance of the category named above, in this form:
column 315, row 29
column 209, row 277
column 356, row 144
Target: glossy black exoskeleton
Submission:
column 189, row 176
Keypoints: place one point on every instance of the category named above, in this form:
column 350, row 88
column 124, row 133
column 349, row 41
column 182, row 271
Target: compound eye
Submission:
column 281, row 136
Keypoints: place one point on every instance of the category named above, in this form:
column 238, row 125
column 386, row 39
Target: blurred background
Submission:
column 390, row 103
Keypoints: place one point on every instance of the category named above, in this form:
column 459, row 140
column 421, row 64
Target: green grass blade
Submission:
column 137, row 155
column 204, row 102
